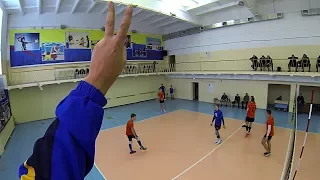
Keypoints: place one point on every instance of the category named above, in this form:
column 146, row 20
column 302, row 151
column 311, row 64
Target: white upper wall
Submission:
column 293, row 29
column 4, row 40
column 76, row 20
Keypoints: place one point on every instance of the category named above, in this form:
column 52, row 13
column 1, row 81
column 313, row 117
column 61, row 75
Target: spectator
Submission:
column 263, row 63
column 269, row 63
column 255, row 63
column 293, row 63
column 279, row 98
column 300, row 101
column 154, row 64
column 245, row 101
column 305, row 62
column 318, row 64
column 236, row 101
column 224, row 98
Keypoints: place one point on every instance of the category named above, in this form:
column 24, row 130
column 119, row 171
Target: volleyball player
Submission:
column 131, row 134
column 251, row 112
column 161, row 100
column 266, row 141
column 219, row 120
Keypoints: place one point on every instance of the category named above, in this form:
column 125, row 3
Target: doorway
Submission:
column 172, row 63
column 195, row 91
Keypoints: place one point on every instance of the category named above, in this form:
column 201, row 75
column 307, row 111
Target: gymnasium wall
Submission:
column 30, row 104
column 259, row 89
column 233, row 46
column 4, row 40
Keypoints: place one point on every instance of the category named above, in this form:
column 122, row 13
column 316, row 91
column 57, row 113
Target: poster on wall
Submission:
column 52, row 51
column 94, row 43
column 26, row 41
column 127, row 42
column 77, row 40
column 5, row 109
column 154, row 44
column 139, row 50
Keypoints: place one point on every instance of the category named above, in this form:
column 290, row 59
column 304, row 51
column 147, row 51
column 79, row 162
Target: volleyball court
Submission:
column 180, row 146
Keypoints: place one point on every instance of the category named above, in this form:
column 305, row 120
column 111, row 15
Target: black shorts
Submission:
column 130, row 137
column 217, row 127
column 269, row 137
column 161, row 101
column 249, row 119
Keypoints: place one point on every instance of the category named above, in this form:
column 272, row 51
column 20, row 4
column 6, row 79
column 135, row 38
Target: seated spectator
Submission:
column 269, row 63
column 318, row 64
column 305, row 62
column 255, row 63
column 262, row 62
column 245, row 101
column 293, row 63
column 224, row 98
column 279, row 98
column 236, row 101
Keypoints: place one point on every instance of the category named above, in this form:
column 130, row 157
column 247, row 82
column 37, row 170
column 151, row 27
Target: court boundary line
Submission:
column 254, row 122
column 124, row 125
column 143, row 119
column 100, row 171
column 196, row 163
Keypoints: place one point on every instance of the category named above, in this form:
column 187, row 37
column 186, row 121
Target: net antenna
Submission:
column 305, row 137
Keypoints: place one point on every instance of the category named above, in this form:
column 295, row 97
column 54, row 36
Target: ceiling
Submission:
column 159, row 13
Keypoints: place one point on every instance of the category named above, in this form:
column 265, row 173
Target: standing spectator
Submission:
column 245, row 101
column 154, row 66
column 163, row 89
column 236, row 101
column 224, row 98
column 171, row 92
column 300, row 101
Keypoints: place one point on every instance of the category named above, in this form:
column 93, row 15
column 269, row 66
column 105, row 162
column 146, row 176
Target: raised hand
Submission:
column 109, row 55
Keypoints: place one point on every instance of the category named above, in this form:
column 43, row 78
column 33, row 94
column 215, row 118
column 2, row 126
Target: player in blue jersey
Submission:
column 218, row 116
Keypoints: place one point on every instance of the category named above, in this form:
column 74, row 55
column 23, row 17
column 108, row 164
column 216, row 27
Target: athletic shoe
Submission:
column 267, row 154
column 132, row 152
column 219, row 141
column 216, row 141
column 164, row 110
column 247, row 134
column 143, row 148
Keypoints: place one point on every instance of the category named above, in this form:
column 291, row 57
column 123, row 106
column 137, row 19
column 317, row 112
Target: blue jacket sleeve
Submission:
column 67, row 149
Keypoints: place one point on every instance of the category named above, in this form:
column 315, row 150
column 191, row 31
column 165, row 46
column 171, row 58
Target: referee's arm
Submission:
column 66, row 151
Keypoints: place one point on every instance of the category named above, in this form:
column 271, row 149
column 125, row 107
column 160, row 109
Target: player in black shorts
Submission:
column 131, row 134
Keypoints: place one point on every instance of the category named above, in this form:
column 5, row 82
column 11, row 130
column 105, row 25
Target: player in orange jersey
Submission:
column 131, row 134
column 251, row 112
column 266, row 141
column 161, row 100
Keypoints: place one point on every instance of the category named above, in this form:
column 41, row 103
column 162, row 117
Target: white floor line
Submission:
column 100, row 171
column 207, row 154
column 143, row 119
column 124, row 125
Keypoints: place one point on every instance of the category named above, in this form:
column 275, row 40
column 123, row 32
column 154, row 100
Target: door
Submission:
column 195, row 91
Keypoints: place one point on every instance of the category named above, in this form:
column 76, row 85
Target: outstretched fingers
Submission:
column 109, row 26
column 124, row 27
